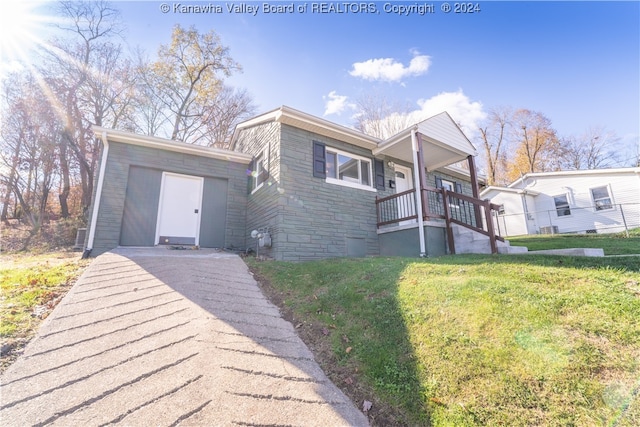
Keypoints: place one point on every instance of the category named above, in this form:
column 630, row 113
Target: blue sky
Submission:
column 576, row 62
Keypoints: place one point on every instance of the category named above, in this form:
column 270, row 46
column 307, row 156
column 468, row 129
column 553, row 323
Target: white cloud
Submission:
column 335, row 104
column 462, row 110
column 387, row 69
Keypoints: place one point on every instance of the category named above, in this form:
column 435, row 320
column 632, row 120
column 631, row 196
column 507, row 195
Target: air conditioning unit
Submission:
column 550, row 229
column 81, row 233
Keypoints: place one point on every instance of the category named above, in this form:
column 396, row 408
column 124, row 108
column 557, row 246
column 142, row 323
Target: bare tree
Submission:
column 230, row 107
column 381, row 118
column 91, row 84
column 494, row 137
column 29, row 133
column 186, row 76
column 594, row 149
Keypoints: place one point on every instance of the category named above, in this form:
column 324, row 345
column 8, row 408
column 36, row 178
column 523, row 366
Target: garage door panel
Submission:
column 214, row 213
column 140, row 207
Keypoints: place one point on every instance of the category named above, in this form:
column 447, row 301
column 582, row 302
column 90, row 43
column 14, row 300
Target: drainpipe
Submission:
column 98, row 196
column 416, row 178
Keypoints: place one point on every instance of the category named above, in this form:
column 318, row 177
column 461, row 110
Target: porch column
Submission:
column 474, row 188
column 417, row 155
column 421, row 171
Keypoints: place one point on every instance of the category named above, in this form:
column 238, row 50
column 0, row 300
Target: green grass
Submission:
column 612, row 244
column 27, row 281
column 478, row 340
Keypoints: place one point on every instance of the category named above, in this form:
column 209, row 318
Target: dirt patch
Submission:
column 347, row 378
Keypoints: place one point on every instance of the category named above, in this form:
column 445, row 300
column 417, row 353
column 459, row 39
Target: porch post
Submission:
column 422, row 174
column 418, row 186
column 474, row 188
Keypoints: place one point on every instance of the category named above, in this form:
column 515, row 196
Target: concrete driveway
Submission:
column 161, row 337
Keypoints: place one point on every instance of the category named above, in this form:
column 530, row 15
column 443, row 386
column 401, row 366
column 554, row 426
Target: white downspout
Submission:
column 96, row 204
column 416, row 179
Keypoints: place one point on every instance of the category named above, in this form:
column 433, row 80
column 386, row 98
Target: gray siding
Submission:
column 120, row 159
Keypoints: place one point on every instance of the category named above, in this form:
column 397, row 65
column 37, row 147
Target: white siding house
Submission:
column 587, row 201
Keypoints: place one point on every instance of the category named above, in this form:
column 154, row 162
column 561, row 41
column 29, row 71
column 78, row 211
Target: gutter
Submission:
column 98, row 197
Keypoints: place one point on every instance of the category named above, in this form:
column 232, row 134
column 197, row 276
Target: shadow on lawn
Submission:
column 351, row 313
column 356, row 328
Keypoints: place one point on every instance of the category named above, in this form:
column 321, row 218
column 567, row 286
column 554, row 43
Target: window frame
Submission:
column 330, row 151
column 259, row 174
column 610, row 205
column 559, row 208
column 455, row 186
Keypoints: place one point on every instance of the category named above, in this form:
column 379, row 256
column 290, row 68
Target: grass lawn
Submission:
column 31, row 285
column 473, row 340
column 612, row 244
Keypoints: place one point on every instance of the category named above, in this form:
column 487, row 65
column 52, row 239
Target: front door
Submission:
column 406, row 204
column 179, row 209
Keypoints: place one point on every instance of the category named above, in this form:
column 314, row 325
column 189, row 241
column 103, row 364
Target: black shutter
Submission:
column 379, row 172
column 319, row 160
column 458, row 187
column 438, row 182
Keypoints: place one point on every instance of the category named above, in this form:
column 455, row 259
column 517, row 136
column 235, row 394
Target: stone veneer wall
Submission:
column 263, row 204
column 319, row 219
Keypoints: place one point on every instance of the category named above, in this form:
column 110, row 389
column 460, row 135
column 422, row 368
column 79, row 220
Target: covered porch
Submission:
column 434, row 144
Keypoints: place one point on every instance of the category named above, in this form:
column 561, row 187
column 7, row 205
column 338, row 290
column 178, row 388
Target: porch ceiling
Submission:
column 442, row 140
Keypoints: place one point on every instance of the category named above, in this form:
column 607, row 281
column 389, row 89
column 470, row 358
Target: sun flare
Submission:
column 19, row 28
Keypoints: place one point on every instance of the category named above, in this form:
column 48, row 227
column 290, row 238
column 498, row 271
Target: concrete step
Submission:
column 470, row 242
column 591, row 252
column 513, row 249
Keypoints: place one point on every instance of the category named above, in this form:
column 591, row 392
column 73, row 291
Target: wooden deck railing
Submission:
column 440, row 203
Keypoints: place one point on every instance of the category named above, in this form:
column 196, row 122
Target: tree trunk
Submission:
column 63, row 197
column 12, row 177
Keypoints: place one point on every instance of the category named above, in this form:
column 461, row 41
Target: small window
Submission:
column 348, row 168
column 562, row 205
column 448, row 185
column 501, row 210
column 259, row 172
column 601, row 198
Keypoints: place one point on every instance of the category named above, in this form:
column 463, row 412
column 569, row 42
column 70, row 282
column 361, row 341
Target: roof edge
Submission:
column 635, row 170
column 291, row 116
column 508, row 190
column 170, row 145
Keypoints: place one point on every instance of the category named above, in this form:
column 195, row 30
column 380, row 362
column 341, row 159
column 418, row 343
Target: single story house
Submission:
column 295, row 187
column 581, row 201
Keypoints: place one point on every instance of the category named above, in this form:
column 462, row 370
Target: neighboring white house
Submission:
column 584, row 201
